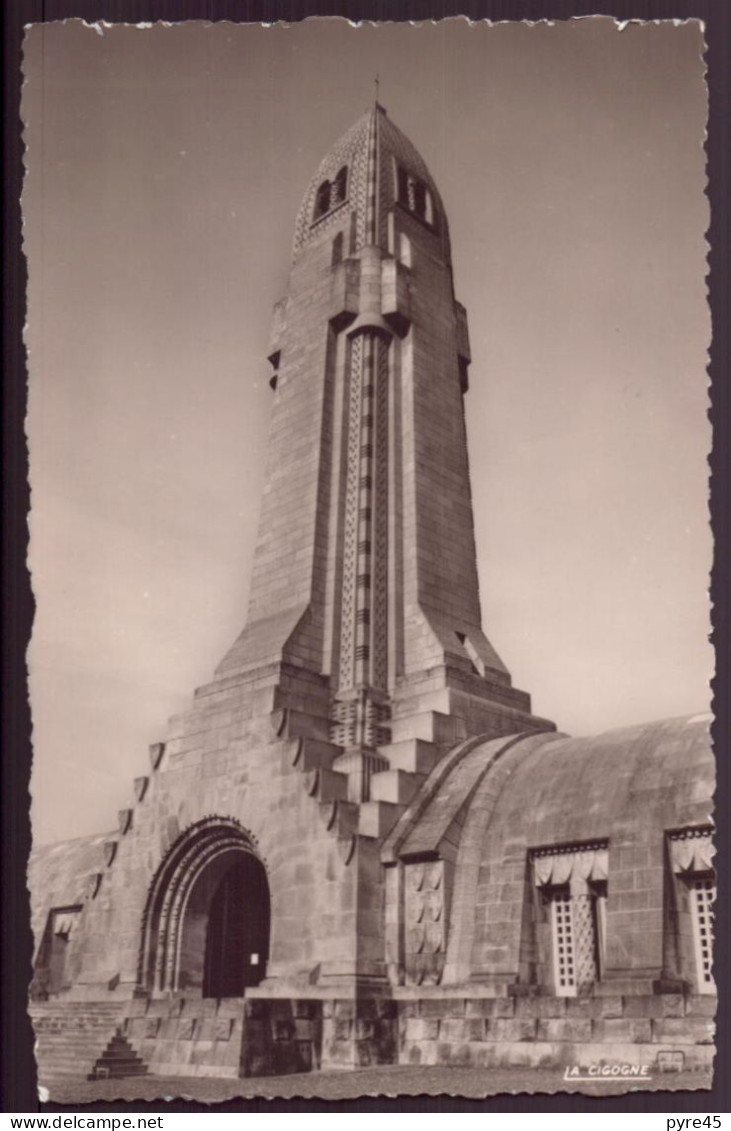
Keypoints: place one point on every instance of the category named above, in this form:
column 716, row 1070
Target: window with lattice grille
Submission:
column 703, row 895
column 563, row 942
column 322, row 200
column 573, row 883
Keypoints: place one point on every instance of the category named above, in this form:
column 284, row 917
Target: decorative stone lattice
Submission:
column 360, row 721
column 563, row 944
column 703, row 895
column 584, row 940
column 371, row 146
column 349, row 152
column 364, row 601
column 350, row 540
column 379, row 647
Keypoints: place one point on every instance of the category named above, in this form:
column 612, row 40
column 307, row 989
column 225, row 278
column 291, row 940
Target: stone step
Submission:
column 64, row 1048
column 395, row 786
column 327, row 785
column 65, row 1015
column 70, row 1034
column 412, row 754
column 78, row 1070
column 492, row 688
column 90, row 1048
column 312, row 754
column 65, row 1004
column 66, row 1019
column 71, row 1023
column 297, row 724
column 66, row 1052
column 422, row 698
column 341, row 817
column 73, row 1066
column 122, row 1066
column 106, row 1072
column 119, row 1059
column 377, row 818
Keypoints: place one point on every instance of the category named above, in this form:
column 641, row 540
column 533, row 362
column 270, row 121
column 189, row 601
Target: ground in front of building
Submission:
column 398, row 1080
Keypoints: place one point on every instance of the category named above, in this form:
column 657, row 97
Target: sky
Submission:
column 164, row 169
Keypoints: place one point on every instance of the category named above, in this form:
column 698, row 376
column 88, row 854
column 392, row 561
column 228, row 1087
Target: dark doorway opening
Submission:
column 51, row 974
column 237, row 934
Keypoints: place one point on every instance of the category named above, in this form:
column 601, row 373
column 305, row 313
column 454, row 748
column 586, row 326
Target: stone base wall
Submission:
column 554, row 1032
column 260, row 1036
column 187, row 1036
column 281, row 1036
column 359, row 1032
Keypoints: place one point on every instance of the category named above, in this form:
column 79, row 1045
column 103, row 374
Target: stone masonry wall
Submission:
column 551, row 1032
column 219, row 759
column 261, row 1036
column 628, row 787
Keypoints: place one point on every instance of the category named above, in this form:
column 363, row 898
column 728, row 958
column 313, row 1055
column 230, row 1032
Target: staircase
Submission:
column 70, row 1035
column 409, row 762
column 118, row 1059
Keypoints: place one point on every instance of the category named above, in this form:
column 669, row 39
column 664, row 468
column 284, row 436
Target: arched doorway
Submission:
column 208, row 915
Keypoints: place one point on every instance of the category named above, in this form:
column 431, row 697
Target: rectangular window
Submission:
column 413, row 195
column 691, row 862
column 562, row 932
column 573, row 882
column 577, row 929
column 703, row 895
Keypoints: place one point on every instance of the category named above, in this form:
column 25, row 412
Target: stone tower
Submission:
column 364, row 602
